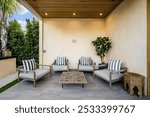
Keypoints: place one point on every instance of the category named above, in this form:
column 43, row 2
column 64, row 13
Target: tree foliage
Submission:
column 16, row 40
column 7, row 8
column 32, row 38
column 102, row 46
column 24, row 44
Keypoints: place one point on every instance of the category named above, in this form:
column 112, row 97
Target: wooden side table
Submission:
column 134, row 79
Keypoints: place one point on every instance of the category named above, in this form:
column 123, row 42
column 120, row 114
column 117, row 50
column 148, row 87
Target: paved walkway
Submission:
column 7, row 79
column 49, row 89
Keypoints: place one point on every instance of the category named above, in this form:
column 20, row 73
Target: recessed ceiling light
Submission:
column 74, row 14
column 46, row 13
column 101, row 14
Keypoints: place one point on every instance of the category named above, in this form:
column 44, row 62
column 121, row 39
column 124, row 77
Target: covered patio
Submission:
column 67, row 29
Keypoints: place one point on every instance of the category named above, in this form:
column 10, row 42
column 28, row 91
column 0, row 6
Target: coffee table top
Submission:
column 72, row 77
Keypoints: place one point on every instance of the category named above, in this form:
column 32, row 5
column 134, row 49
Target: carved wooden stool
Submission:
column 134, row 79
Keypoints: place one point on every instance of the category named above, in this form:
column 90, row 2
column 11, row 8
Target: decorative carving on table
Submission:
column 134, row 79
column 72, row 77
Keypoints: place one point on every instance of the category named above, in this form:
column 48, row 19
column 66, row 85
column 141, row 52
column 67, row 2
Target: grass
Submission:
column 2, row 89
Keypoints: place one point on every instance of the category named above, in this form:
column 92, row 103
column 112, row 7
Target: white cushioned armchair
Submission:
column 86, row 64
column 60, row 64
column 112, row 74
column 31, row 71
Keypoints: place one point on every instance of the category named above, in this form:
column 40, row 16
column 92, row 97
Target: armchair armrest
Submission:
column 67, row 61
column 54, row 62
column 94, row 66
column 115, row 72
column 19, row 67
column 122, row 70
column 78, row 64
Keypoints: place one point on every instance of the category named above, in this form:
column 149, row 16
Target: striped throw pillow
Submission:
column 61, row 61
column 85, row 61
column 29, row 64
column 114, row 65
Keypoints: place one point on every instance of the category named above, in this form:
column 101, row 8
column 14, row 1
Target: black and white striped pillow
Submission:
column 33, row 64
column 29, row 64
column 61, row 61
column 114, row 65
column 85, row 60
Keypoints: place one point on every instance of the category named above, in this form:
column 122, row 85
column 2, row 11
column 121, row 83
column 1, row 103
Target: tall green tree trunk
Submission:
column 4, row 33
column 7, row 8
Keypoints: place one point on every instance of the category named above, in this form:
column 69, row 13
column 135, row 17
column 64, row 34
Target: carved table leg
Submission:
column 139, row 90
column 131, row 89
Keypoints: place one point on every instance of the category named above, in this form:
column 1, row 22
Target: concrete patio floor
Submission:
column 49, row 89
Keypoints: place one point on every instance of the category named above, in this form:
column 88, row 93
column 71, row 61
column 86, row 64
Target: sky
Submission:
column 21, row 15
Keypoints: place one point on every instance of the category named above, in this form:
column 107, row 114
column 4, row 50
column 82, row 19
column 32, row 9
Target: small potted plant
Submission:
column 7, row 52
column 102, row 46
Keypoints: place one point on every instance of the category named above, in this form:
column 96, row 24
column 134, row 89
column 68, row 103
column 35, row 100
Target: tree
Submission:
column 102, row 46
column 7, row 8
column 32, row 38
column 25, row 44
column 16, row 41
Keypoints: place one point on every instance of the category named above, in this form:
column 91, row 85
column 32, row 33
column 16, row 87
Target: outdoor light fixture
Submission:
column 46, row 13
column 74, row 14
column 101, row 14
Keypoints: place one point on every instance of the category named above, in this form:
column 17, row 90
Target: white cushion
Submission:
column 86, row 68
column 104, row 74
column 60, row 68
column 30, row 75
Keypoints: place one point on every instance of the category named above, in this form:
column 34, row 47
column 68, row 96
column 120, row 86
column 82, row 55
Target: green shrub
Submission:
column 24, row 44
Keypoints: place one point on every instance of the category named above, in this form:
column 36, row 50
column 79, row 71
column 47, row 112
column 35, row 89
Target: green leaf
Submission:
column 102, row 46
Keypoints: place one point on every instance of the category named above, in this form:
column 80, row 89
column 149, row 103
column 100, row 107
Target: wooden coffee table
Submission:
column 72, row 77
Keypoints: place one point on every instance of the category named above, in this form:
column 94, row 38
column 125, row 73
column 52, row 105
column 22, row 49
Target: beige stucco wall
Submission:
column 7, row 67
column 59, row 35
column 126, row 27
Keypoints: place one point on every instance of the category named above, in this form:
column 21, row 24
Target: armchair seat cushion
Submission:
column 60, row 68
column 104, row 74
column 30, row 74
column 85, row 68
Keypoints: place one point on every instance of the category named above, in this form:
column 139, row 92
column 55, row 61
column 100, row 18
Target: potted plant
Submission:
column 102, row 46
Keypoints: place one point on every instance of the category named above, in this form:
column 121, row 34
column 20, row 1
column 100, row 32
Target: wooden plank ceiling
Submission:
column 80, row 8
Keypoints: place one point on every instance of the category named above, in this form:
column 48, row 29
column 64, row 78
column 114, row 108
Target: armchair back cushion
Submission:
column 86, row 61
column 61, row 61
column 114, row 65
column 29, row 64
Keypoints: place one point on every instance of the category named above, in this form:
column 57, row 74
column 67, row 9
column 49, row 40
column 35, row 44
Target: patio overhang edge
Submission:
column 25, row 4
